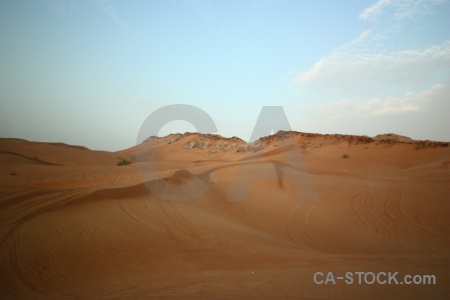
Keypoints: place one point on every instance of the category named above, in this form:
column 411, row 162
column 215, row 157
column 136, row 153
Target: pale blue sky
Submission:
column 90, row 72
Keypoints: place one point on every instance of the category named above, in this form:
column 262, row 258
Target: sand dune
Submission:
column 74, row 225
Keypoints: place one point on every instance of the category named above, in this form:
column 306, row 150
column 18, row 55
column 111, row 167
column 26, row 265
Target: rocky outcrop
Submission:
column 225, row 146
column 169, row 139
column 393, row 138
column 217, row 144
column 198, row 144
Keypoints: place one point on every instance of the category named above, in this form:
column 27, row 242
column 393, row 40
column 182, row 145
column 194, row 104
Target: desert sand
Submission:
column 76, row 226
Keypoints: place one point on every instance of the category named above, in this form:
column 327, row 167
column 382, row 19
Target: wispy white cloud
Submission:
column 375, row 10
column 407, row 103
column 368, row 75
column 369, row 86
column 362, row 37
column 403, row 9
column 408, row 9
column 422, row 115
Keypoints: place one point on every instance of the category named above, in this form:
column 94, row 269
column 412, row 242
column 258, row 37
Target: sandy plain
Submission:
column 73, row 225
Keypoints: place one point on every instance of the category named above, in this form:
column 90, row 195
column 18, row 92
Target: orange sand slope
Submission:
column 74, row 225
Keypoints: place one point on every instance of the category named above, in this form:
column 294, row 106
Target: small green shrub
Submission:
column 123, row 161
column 345, row 155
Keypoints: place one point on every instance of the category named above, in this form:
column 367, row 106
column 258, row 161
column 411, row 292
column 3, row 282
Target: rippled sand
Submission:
column 76, row 226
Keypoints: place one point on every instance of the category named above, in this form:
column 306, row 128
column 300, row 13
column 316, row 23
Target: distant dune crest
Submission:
column 218, row 144
column 200, row 216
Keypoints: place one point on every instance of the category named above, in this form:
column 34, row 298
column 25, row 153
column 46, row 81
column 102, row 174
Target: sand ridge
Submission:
column 76, row 226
